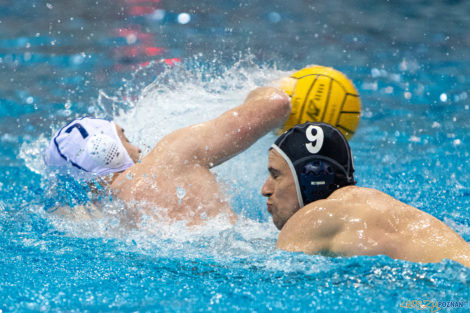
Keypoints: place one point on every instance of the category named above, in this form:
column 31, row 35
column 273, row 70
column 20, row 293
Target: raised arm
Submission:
column 213, row 142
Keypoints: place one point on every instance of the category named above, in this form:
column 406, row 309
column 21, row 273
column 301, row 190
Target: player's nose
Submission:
column 266, row 190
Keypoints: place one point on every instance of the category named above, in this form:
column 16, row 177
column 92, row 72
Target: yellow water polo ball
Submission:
column 323, row 94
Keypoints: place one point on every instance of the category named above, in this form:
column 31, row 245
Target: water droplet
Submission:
column 77, row 59
column 49, row 6
column 158, row 15
column 184, row 18
column 443, row 97
column 68, row 105
column 415, row 139
column 131, row 39
column 274, row 17
column 180, row 193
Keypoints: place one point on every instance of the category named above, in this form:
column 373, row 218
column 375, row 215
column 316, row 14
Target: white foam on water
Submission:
column 217, row 238
column 31, row 153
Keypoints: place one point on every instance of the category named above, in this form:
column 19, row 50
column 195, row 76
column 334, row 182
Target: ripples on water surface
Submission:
column 60, row 60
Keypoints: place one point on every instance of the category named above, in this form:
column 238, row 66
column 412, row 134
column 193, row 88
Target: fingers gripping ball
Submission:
column 323, row 94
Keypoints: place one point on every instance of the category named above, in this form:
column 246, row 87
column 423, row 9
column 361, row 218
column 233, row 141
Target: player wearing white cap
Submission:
column 174, row 180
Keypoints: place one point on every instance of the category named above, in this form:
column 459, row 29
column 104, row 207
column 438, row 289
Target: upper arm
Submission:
column 211, row 143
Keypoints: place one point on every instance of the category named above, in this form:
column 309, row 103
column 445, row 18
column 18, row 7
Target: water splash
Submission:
column 179, row 96
column 185, row 94
column 31, row 154
column 180, row 193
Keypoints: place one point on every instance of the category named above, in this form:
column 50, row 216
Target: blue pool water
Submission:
column 155, row 66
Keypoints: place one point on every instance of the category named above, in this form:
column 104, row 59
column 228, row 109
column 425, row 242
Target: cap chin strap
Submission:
column 292, row 169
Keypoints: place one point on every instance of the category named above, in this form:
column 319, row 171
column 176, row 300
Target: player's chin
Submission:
column 278, row 223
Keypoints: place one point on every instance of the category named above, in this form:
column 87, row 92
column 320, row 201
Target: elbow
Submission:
column 281, row 101
column 277, row 99
column 285, row 103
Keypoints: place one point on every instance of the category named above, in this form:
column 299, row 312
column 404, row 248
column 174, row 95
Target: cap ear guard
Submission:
column 106, row 151
column 319, row 177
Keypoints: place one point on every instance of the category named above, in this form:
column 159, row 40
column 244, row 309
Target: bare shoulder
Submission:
column 356, row 192
column 364, row 221
column 369, row 199
column 311, row 228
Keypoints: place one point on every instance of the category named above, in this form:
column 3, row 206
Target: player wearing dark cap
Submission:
column 313, row 201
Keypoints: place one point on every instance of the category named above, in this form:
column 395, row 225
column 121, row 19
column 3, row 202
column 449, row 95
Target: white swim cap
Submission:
column 88, row 147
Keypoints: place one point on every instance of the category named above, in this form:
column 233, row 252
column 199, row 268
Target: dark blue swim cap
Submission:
column 319, row 157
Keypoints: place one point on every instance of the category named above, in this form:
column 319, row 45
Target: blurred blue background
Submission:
column 63, row 59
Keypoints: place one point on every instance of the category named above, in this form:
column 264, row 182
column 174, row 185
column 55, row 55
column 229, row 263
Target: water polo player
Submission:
column 313, row 201
column 174, row 180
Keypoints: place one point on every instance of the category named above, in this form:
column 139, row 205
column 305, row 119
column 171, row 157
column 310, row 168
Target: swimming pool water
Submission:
column 144, row 64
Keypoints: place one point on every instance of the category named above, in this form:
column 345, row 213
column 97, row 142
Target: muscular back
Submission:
column 362, row 221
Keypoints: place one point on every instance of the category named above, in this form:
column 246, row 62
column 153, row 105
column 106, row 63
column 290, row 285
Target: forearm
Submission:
column 211, row 143
column 264, row 109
